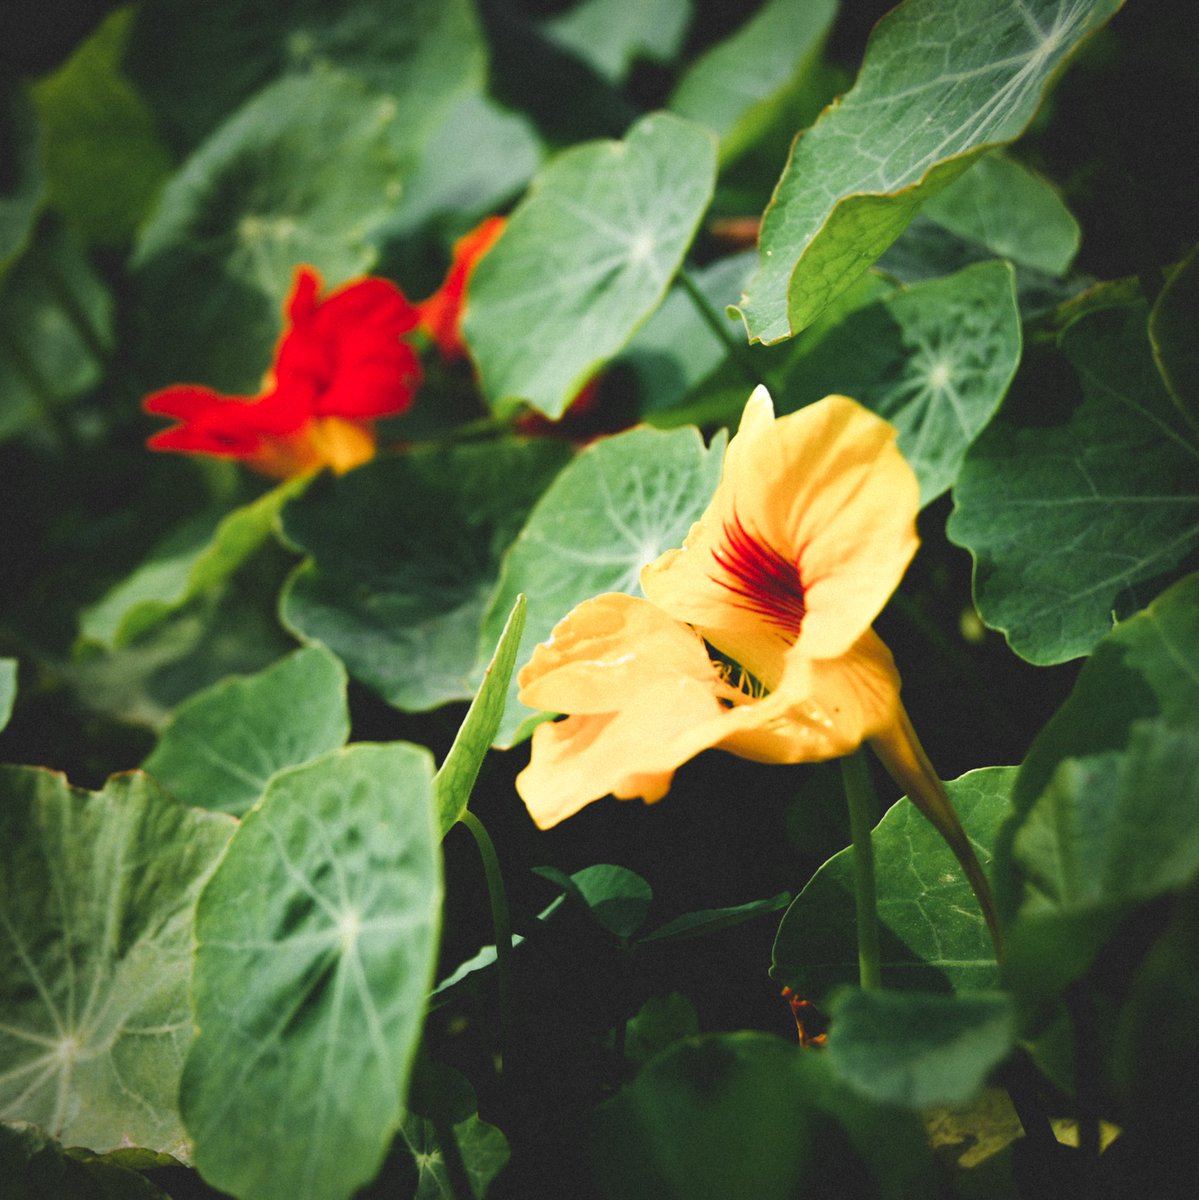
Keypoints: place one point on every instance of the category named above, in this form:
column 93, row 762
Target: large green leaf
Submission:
column 1073, row 524
column 933, row 934
column 405, row 557
column 942, row 81
column 56, row 318
column 198, row 63
column 742, row 85
column 194, row 557
column 746, row 1114
column 915, row 1049
column 934, row 359
column 97, row 894
column 317, row 938
column 610, row 34
column 302, row 173
column 621, row 503
column 455, row 779
column 1012, row 211
column 222, row 746
column 585, row 258
column 104, row 159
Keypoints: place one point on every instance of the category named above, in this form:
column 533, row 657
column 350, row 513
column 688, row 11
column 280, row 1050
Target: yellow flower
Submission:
column 755, row 636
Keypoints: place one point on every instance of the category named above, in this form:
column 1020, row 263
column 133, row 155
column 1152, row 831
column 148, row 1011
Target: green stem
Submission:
column 859, row 796
column 451, row 1155
column 501, row 923
column 738, row 351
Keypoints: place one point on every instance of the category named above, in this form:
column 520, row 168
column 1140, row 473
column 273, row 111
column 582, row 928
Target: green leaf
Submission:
column 746, row 1114
column 262, row 195
column 56, row 320
column 483, row 1147
column 955, row 81
column 478, row 158
column 194, row 557
column 24, row 189
column 197, row 64
column 621, row 503
column 8, row 688
column 1174, row 335
column 1012, row 211
column 658, row 1023
column 97, row 893
column 742, row 85
column 35, row 1167
column 316, row 942
column 405, row 556
column 585, row 258
column 104, row 159
column 935, row 359
column 223, row 745
column 933, row 934
column 712, row 920
column 617, row 898
column 1069, row 524
column 916, row 1050
column 610, row 34
column 455, row 779
column 675, row 350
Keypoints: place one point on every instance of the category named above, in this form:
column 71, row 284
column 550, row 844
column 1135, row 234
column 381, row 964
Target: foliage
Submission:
column 273, row 705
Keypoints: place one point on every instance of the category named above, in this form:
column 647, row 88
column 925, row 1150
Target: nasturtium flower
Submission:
column 441, row 313
column 755, row 637
column 340, row 364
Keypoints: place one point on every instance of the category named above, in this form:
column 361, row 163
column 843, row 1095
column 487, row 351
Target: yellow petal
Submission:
column 807, row 535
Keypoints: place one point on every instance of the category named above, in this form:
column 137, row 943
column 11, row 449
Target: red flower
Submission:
column 441, row 313
column 339, row 366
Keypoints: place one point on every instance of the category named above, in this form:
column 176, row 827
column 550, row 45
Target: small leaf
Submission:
column 616, row 897
column 740, row 87
column 455, row 779
column 622, row 502
column 405, row 557
column 316, row 943
column 712, row 920
column 1069, row 524
column 1012, row 211
column 223, row 745
column 610, row 34
column 97, row 894
column 955, row 81
column 658, row 1023
column 194, row 557
column 24, row 190
column 935, row 359
column 916, row 1050
column 933, row 934
column 1174, row 335
column 585, row 258
column 8, row 688
column 104, row 159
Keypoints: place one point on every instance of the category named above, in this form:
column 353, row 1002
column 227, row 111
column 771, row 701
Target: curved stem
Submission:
column 500, row 920
column 859, row 796
column 738, row 351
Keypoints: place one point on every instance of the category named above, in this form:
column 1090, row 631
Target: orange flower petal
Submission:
column 807, row 535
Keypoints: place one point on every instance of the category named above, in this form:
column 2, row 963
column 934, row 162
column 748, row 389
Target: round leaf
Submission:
column 317, row 939
column 585, row 258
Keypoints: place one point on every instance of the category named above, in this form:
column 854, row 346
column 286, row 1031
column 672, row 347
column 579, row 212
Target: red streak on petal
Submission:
column 765, row 582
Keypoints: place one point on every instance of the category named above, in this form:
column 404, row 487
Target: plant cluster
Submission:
column 582, row 423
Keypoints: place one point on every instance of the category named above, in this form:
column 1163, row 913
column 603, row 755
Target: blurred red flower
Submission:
column 340, row 365
column 441, row 313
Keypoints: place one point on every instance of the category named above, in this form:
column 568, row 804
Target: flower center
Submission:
column 765, row 582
